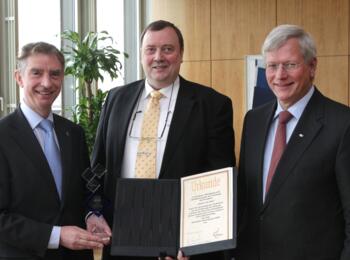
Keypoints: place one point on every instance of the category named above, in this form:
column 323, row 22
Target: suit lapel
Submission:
column 303, row 135
column 24, row 137
column 182, row 112
column 263, row 122
column 122, row 115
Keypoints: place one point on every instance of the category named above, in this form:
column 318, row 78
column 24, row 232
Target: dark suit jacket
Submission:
column 29, row 202
column 200, row 138
column 306, row 214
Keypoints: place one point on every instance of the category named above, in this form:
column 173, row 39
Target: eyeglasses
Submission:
column 159, row 137
column 288, row 66
column 139, row 112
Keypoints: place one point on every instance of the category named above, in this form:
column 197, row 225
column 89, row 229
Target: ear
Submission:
column 313, row 67
column 182, row 55
column 18, row 78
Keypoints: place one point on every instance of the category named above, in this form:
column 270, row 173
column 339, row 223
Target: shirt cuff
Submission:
column 54, row 241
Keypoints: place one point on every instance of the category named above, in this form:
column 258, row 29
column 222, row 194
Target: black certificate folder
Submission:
column 157, row 217
column 146, row 219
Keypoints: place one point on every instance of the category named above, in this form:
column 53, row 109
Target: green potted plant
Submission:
column 86, row 59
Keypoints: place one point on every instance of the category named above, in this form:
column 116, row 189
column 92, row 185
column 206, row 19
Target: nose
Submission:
column 46, row 80
column 281, row 72
column 158, row 55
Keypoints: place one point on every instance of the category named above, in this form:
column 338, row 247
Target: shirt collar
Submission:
column 32, row 117
column 298, row 108
column 166, row 91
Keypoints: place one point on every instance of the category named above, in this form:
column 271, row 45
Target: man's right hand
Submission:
column 98, row 226
column 76, row 238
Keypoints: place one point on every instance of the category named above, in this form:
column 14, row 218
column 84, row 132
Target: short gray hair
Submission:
column 38, row 48
column 282, row 33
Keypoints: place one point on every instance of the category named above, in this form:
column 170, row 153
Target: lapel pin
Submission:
column 301, row 135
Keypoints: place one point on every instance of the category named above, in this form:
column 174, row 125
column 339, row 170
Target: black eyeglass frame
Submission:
column 140, row 111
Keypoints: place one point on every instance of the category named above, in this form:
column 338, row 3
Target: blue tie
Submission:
column 52, row 153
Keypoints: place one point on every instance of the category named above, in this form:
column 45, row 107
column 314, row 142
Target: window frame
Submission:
column 78, row 15
column 8, row 50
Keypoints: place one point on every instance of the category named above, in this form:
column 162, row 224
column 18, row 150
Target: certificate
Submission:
column 206, row 208
column 196, row 214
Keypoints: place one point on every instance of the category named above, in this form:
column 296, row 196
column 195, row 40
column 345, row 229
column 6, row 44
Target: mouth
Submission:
column 283, row 85
column 45, row 93
column 159, row 66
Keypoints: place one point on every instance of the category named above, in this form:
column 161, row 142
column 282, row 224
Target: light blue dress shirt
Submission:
column 34, row 119
column 296, row 110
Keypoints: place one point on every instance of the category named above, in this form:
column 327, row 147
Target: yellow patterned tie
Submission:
column 147, row 150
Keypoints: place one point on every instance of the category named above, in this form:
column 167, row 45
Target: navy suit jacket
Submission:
column 29, row 202
column 306, row 213
column 200, row 138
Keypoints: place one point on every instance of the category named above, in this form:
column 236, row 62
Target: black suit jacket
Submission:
column 306, row 214
column 200, row 137
column 29, row 202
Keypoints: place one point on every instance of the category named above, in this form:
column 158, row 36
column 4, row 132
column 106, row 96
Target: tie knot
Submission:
column 284, row 117
column 156, row 95
column 46, row 125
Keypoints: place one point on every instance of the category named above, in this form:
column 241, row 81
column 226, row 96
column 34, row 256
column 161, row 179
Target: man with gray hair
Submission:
column 42, row 156
column 294, row 170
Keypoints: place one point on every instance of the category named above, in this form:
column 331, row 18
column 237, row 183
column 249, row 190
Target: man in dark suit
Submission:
column 195, row 131
column 41, row 214
column 300, row 210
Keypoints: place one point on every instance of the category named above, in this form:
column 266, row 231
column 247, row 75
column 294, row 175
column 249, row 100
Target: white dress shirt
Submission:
column 167, row 107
